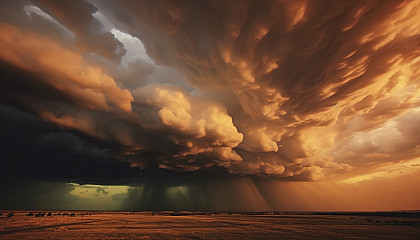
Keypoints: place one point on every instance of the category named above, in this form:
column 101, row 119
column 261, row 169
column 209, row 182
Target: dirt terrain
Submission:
column 166, row 225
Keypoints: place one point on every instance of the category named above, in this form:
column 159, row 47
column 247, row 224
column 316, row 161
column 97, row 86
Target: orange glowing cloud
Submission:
column 63, row 68
column 201, row 126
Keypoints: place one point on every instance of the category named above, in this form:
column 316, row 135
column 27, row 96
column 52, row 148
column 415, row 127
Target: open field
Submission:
column 128, row 225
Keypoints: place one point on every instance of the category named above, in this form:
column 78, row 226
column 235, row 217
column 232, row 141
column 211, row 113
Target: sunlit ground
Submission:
column 128, row 225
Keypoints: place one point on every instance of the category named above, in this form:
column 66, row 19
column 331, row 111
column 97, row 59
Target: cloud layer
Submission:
column 299, row 90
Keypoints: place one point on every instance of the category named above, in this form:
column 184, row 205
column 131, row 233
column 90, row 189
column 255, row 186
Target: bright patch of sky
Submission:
column 97, row 191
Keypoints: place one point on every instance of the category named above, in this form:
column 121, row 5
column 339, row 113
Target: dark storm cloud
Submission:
column 30, row 148
column 300, row 90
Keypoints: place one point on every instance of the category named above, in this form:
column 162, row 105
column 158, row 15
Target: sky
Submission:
column 210, row 105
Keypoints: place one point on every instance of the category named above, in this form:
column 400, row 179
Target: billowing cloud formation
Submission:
column 63, row 69
column 300, row 90
column 77, row 17
column 200, row 125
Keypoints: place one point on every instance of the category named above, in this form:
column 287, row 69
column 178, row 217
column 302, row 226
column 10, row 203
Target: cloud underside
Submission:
column 300, row 90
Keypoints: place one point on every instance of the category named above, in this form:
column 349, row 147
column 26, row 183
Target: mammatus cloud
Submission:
column 300, row 90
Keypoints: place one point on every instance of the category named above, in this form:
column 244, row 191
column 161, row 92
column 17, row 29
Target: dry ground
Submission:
column 120, row 225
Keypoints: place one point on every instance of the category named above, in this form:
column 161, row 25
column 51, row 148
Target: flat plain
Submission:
column 169, row 225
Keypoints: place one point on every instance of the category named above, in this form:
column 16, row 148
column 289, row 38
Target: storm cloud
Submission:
column 294, row 90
